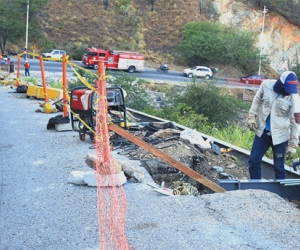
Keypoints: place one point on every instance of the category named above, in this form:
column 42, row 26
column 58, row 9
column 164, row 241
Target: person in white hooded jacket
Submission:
column 274, row 116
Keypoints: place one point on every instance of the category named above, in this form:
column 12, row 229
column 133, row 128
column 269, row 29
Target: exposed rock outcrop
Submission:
column 280, row 40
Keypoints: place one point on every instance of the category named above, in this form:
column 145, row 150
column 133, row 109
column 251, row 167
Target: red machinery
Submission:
column 83, row 102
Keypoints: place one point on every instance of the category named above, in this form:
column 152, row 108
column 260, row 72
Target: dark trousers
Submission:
column 27, row 72
column 259, row 148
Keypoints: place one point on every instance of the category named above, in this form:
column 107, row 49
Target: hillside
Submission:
column 135, row 27
column 155, row 29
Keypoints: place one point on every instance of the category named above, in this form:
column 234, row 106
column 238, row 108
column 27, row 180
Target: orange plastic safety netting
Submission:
column 112, row 203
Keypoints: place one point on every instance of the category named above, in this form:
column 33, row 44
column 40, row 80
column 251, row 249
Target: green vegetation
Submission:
column 137, row 97
column 241, row 137
column 296, row 69
column 33, row 80
column 90, row 78
column 216, row 124
column 12, row 20
column 235, row 135
column 48, row 45
column 208, row 43
column 76, row 49
column 77, row 53
column 210, row 101
column 204, row 107
column 184, row 115
column 124, row 5
column 56, row 84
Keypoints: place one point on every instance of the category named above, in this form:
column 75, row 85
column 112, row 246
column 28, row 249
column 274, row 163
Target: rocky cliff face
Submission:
column 280, row 39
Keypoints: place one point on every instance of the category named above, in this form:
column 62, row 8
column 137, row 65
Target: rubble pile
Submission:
column 208, row 162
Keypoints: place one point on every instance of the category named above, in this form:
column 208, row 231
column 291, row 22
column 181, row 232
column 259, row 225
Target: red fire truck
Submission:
column 123, row 60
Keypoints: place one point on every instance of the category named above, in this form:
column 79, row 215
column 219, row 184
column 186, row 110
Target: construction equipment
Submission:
column 84, row 103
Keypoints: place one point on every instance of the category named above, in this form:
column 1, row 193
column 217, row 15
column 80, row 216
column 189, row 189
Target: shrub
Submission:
column 90, row 78
column 183, row 115
column 236, row 135
column 137, row 96
column 56, row 84
column 48, row 45
column 33, row 80
column 77, row 53
column 210, row 101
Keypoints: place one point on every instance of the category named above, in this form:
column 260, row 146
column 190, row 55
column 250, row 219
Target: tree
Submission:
column 13, row 15
column 210, row 43
column 240, row 50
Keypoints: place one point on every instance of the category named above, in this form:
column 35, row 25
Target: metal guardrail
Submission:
column 289, row 188
column 242, row 154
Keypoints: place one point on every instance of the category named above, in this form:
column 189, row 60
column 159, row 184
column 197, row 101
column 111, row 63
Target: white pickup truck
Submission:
column 55, row 53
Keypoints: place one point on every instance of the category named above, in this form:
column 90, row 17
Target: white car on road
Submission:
column 55, row 53
column 198, row 71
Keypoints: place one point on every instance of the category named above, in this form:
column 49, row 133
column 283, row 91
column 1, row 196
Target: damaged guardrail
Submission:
column 288, row 188
column 176, row 164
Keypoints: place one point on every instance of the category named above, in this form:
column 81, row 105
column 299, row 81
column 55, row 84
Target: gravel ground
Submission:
column 39, row 209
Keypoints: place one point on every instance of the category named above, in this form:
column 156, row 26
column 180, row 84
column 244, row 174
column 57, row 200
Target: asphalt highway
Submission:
column 148, row 73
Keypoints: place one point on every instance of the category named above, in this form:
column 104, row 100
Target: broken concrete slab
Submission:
column 76, row 177
column 89, row 178
column 106, row 180
column 133, row 172
column 90, row 160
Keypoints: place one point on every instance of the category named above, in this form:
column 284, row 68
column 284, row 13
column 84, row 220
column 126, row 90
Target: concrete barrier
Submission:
column 38, row 92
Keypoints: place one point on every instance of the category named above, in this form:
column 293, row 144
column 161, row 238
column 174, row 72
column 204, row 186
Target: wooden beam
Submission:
column 176, row 164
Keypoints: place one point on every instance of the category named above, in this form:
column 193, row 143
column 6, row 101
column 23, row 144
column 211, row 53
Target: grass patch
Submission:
column 56, row 84
column 33, row 80
column 235, row 135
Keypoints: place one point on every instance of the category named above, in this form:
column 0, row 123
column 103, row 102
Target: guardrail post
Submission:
column 101, row 77
column 44, row 80
column 103, row 101
column 65, row 87
column 18, row 72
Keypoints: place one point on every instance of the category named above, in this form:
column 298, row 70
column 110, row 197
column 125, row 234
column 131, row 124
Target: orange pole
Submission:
column 43, row 79
column 100, row 70
column 65, row 88
column 105, row 131
column 101, row 77
column 18, row 72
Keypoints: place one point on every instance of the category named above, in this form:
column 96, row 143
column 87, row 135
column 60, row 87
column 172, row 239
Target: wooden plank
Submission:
column 176, row 164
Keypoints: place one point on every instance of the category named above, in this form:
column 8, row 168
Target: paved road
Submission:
column 148, row 73
column 40, row 210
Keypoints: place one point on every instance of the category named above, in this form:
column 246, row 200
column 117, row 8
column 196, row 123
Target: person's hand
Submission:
column 290, row 151
column 251, row 122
